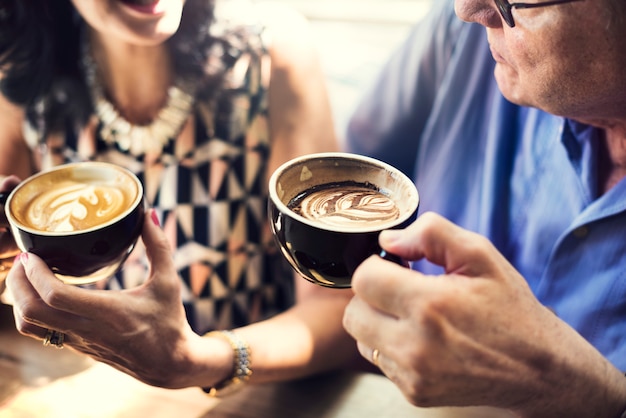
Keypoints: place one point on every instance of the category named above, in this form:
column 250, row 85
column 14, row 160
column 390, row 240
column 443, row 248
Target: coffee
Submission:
column 327, row 210
column 346, row 205
column 73, row 200
column 82, row 219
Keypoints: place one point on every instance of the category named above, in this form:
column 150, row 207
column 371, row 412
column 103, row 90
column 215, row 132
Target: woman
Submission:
column 191, row 100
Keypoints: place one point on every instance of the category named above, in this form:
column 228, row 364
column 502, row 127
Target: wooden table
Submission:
column 38, row 381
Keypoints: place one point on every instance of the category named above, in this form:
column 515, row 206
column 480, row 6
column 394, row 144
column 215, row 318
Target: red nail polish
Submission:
column 155, row 217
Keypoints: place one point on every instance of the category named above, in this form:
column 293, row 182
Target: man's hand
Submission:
column 475, row 335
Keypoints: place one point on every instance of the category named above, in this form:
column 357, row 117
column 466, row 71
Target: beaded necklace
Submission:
column 138, row 139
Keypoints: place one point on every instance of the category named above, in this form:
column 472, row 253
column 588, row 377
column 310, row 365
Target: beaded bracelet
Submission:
column 241, row 364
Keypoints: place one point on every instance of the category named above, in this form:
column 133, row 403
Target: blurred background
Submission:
column 355, row 38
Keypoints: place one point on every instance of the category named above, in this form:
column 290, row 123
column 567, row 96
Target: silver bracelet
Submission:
column 241, row 364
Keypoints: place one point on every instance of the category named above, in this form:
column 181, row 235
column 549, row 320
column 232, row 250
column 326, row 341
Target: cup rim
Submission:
column 136, row 202
column 273, row 196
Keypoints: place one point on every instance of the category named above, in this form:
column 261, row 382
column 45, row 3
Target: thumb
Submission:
column 439, row 241
column 408, row 243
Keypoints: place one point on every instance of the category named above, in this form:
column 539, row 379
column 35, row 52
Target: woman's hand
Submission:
column 141, row 331
column 8, row 249
column 475, row 335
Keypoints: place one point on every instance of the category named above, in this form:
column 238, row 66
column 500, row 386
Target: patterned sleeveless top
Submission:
column 210, row 195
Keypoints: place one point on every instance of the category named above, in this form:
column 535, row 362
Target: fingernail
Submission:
column 23, row 258
column 154, row 217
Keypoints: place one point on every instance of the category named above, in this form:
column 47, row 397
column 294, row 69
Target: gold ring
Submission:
column 54, row 338
column 375, row 355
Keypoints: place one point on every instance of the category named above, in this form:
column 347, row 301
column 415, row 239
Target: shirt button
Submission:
column 581, row 232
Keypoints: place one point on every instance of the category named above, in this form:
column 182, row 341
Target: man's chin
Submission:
column 510, row 86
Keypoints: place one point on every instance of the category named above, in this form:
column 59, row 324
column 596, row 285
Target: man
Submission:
column 513, row 127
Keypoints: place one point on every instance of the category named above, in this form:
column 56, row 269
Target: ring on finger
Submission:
column 375, row 356
column 54, row 338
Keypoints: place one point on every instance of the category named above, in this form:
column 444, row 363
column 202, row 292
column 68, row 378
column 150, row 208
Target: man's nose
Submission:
column 483, row 12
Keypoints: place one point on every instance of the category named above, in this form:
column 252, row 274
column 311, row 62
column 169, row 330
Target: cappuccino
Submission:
column 74, row 200
column 82, row 219
column 346, row 205
column 327, row 210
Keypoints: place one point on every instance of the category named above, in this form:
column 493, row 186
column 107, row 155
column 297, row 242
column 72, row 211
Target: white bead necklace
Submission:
column 139, row 139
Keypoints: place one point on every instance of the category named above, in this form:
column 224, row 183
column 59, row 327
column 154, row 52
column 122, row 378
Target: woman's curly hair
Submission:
column 40, row 58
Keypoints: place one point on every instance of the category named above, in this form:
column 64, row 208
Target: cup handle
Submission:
column 394, row 258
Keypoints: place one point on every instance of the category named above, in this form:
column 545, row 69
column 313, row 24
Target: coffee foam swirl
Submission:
column 74, row 206
column 347, row 206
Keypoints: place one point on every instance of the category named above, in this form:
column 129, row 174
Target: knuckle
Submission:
column 417, row 397
column 347, row 319
column 53, row 298
column 429, row 223
column 362, row 273
column 25, row 320
column 418, row 391
column 475, row 244
column 22, row 325
column 27, row 329
column 23, row 328
column 430, row 217
column 419, row 364
column 28, row 311
column 431, row 313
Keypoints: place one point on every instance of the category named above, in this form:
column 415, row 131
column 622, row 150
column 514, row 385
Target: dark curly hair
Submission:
column 40, row 56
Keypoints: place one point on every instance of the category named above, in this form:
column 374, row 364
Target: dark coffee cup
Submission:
column 83, row 219
column 327, row 210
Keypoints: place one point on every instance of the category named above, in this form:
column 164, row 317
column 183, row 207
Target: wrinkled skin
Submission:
column 106, row 329
column 473, row 336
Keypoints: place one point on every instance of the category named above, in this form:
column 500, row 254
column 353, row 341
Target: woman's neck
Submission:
column 134, row 78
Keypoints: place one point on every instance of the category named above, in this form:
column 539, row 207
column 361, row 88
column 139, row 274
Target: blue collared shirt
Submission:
column 523, row 178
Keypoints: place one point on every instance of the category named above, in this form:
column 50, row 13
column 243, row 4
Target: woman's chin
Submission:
column 150, row 29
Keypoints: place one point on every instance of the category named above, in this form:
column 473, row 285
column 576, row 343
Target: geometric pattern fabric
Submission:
column 211, row 196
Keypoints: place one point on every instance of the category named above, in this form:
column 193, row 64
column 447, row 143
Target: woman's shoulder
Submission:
column 237, row 23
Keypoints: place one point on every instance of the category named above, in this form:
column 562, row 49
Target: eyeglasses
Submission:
column 506, row 8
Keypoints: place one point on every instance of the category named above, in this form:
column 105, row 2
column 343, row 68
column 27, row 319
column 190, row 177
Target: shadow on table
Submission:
column 314, row 397
column 26, row 362
column 333, row 395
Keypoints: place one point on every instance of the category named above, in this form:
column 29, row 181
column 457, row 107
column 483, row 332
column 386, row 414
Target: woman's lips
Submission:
column 144, row 6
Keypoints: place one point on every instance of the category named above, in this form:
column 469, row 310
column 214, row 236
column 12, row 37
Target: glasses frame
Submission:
column 506, row 9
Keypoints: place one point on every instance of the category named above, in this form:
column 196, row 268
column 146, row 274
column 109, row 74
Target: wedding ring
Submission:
column 54, row 338
column 375, row 355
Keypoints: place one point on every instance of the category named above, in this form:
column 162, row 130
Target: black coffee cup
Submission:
column 326, row 212
column 83, row 219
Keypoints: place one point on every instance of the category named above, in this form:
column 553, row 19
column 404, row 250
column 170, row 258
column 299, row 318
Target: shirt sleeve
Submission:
column 388, row 121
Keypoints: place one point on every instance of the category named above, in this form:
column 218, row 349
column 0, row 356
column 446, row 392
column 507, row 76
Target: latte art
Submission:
column 346, row 205
column 75, row 206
